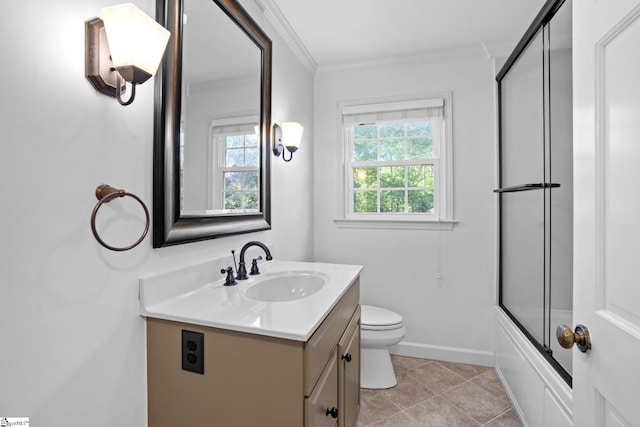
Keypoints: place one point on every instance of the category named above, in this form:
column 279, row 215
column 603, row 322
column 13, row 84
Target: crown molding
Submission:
column 499, row 50
column 286, row 31
column 435, row 55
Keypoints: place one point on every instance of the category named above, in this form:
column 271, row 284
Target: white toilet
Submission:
column 380, row 328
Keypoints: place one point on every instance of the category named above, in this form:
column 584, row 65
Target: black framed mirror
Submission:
column 211, row 165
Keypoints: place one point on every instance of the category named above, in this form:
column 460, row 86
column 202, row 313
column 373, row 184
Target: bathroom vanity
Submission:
column 270, row 358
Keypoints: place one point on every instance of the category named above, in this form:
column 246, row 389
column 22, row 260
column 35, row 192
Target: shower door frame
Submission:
column 543, row 18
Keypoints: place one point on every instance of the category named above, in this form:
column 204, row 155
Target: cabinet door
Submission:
column 349, row 373
column 321, row 407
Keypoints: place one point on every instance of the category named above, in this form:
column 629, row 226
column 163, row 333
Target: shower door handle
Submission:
column 527, row 187
column 566, row 337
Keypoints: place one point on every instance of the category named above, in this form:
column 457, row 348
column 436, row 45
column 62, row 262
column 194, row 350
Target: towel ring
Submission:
column 105, row 193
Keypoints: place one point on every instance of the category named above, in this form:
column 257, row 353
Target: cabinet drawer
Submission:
column 324, row 340
column 324, row 399
column 349, row 373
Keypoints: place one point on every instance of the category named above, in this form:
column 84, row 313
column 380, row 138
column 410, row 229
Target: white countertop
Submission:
column 185, row 295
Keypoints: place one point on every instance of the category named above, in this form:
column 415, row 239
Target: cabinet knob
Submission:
column 333, row 412
column 347, row 357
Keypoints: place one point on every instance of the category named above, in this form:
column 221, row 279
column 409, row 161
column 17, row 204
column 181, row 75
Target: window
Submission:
column 240, row 174
column 237, row 180
column 397, row 161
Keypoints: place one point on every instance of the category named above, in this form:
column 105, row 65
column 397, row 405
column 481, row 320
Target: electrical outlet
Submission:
column 193, row 351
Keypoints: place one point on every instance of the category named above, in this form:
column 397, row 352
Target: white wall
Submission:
column 450, row 318
column 73, row 345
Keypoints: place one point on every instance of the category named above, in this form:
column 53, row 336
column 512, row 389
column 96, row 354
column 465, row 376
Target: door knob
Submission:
column 566, row 337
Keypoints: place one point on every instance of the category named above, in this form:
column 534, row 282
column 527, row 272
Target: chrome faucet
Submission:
column 242, row 269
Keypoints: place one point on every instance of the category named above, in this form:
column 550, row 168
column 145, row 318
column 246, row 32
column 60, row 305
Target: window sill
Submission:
column 390, row 224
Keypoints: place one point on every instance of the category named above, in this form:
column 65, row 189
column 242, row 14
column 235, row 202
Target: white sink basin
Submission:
column 265, row 304
column 286, row 286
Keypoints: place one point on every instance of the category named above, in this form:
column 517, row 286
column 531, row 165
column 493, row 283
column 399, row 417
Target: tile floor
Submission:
column 438, row 394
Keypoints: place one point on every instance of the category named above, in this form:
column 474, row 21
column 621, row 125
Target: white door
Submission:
column 606, row 70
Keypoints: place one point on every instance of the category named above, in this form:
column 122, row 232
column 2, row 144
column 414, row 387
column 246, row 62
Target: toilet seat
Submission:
column 379, row 319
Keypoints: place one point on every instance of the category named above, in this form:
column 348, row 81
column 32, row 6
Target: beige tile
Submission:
column 435, row 377
column 367, row 416
column 506, row 419
column 404, row 363
column 480, row 404
column 436, row 412
column 464, row 370
column 461, row 399
column 490, row 382
column 374, row 406
column 401, row 419
column 408, row 392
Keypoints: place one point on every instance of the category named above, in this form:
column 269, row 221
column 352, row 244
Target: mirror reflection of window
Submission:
column 240, row 172
column 221, row 90
column 234, row 165
column 218, row 68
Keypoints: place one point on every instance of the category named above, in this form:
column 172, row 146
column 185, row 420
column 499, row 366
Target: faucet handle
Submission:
column 254, row 266
column 230, row 280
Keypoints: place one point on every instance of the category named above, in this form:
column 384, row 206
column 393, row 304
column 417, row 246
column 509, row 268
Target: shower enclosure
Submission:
column 535, row 183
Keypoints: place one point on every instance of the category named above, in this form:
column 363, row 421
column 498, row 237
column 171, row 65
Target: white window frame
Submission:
column 219, row 129
column 442, row 216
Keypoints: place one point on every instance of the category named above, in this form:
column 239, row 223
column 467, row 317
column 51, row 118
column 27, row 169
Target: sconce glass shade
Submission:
column 292, row 135
column 136, row 41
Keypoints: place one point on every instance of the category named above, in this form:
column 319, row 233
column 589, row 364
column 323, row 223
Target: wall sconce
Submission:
column 127, row 46
column 286, row 135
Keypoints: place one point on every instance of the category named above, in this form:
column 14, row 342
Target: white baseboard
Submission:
column 448, row 354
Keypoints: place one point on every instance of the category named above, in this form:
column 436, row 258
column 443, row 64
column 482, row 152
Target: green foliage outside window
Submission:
column 241, row 150
column 365, row 201
column 404, row 188
column 365, row 178
column 241, row 190
column 241, row 186
column 392, row 201
column 391, row 176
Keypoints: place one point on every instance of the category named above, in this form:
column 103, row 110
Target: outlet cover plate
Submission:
column 193, row 351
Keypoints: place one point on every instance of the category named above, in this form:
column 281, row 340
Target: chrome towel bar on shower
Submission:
column 526, row 187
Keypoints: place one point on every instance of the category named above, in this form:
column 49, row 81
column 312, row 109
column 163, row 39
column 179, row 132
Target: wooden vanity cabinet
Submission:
column 257, row 380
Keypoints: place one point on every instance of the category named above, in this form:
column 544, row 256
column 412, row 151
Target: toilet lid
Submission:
column 378, row 318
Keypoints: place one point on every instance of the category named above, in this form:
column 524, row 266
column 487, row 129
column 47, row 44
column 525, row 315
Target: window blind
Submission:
column 236, row 125
column 389, row 112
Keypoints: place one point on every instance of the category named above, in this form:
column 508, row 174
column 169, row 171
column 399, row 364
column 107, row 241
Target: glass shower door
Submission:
column 522, row 212
column 560, row 170
column 536, row 184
